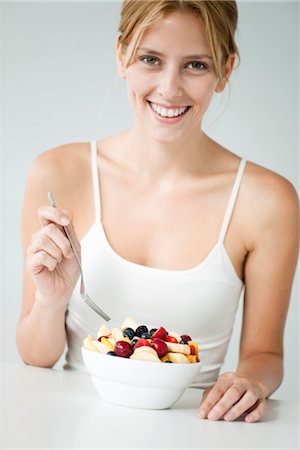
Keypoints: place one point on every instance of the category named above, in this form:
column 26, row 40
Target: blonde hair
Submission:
column 219, row 18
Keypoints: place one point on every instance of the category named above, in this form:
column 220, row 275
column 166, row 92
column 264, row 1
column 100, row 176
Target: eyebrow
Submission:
column 155, row 52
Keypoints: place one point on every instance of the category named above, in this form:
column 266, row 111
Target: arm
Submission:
column 269, row 272
column 50, row 271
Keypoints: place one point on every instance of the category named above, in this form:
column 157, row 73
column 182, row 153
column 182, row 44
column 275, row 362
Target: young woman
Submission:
column 172, row 227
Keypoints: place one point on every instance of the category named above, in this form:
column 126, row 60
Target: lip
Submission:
column 167, row 120
column 168, row 106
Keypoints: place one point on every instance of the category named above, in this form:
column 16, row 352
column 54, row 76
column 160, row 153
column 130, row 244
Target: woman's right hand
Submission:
column 50, row 259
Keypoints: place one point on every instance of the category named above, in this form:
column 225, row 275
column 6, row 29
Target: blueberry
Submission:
column 183, row 341
column 128, row 332
column 145, row 335
column 111, row 353
column 134, row 341
column 170, row 362
column 152, row 331
column 141, row 329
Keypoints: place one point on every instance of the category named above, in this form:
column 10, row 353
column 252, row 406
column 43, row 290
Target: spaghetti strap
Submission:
column 95, row 178
column 232, row 200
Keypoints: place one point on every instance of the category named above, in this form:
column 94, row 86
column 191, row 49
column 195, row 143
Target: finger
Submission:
column 47, row 214
column 52, row 236
column 245, row 402
column 214, row 395
column 39, row 261
column 231, row 397
column 258, row 412
column 45, row 243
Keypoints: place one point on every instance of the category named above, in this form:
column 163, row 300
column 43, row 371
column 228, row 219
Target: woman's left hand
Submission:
column 231, row 397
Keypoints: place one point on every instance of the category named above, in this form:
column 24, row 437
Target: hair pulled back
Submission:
column 219, row 19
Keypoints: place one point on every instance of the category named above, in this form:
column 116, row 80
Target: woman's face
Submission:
column 171, row 79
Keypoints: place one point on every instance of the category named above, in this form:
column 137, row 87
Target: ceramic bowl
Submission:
column 138, row 384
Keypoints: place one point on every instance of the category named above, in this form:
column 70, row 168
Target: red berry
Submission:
column 123, row 349
column 192, row 350
column 160, row 347
column 171, row 339
column 142, row 342
column 186, row 337
column 161, row 333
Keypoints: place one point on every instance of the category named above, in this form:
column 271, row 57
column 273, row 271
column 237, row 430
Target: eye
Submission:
column 197, row 65
column 150, row 60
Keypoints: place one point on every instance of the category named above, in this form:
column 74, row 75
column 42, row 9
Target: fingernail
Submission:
column 212, row 415
column 201, row 413
column 228, row 416
column 64, row 220
column 70, row 254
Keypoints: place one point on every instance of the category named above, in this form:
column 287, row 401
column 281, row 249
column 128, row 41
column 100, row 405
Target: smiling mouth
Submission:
column 168, row 112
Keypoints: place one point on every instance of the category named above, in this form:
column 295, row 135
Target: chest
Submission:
column 170, row 227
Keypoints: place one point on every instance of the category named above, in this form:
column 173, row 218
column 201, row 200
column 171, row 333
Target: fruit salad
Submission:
column 142, row 343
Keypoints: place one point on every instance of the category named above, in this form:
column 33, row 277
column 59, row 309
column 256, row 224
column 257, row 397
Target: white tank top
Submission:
column 200, row 301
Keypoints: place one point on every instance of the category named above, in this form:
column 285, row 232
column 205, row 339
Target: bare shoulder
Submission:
column 269, row 188
column 270, row 200
column 60, row 169
column 65, row 171
column 63, row 160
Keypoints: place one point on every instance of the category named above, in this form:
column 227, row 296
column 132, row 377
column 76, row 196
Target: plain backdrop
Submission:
column 60, row 85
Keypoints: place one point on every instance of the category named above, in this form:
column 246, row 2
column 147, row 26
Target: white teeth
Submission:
column 163, row 112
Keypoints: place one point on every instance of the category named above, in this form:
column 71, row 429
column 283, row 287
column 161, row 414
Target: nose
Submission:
column 170, row 84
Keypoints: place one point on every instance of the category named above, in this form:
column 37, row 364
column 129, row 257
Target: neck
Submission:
column 166, row 159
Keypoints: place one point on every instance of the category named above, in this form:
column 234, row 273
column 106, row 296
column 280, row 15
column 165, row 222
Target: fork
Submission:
column 83, row 292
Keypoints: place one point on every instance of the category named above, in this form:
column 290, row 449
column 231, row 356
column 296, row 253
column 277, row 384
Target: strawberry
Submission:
column 161, row 333
column 141, row 342
column 171, row 339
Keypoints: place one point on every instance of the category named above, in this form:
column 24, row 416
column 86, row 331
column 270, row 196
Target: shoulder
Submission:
column 61, row 159
column 268, row 188
column 61, row 170
column 270, row 200
column 62, row 162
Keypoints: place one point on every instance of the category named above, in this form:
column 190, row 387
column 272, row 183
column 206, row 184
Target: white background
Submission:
column 59, row 85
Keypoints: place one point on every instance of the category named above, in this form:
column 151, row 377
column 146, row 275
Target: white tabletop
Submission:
column 44, row 408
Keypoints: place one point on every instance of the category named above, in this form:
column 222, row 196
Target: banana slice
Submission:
column 145, row 348
column 103, row 331
column 92, row 344
column 175, row 335
column 102, row 348
column 117, row 334
column 112, row 341
column 129, row 322
column 178, row 358
column 178, row 348
column 88, row 343
column 145, row 354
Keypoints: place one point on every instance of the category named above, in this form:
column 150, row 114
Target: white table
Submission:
column 44, row 408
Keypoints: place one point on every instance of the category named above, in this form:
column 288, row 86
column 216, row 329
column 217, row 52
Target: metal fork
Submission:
column 83, row 292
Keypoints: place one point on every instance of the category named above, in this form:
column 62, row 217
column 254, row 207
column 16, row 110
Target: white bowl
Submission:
column 138, row 384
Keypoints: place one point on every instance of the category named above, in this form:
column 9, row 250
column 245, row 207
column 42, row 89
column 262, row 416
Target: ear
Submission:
column 228, row 68
column 120, row 60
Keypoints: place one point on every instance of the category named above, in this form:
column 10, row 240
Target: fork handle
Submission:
column 52, row 203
